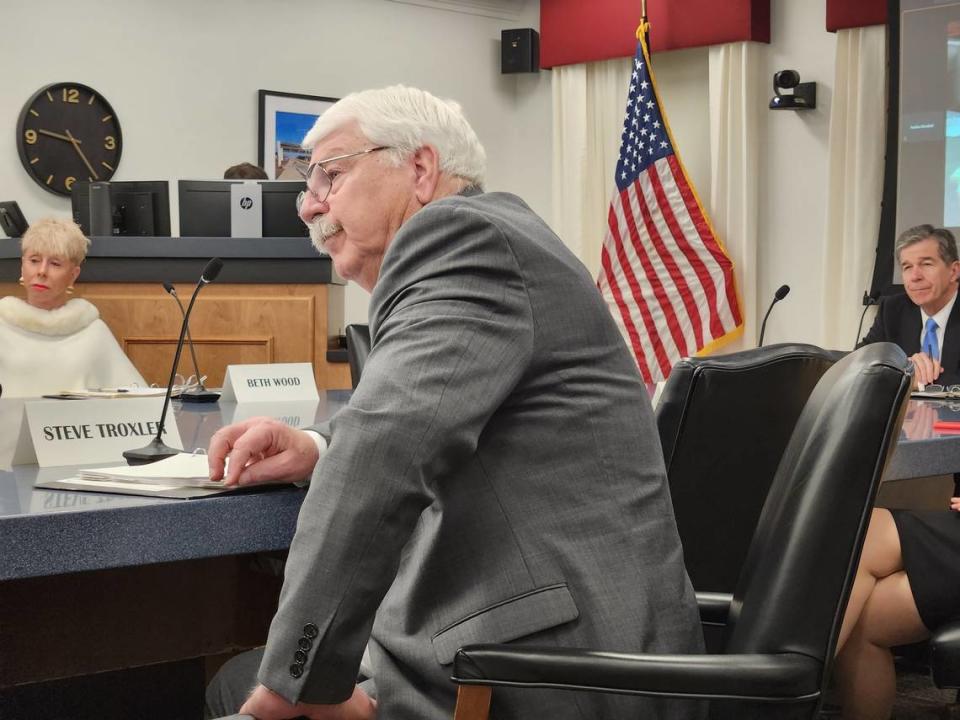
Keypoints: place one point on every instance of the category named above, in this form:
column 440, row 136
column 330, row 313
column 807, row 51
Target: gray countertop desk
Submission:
column 82, row 573
column 922, row 451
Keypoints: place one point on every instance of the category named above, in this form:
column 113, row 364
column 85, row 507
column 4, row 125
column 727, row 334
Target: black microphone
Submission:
column 779, row 295
column 199, row 394
column 157, row 449
column 868, row 302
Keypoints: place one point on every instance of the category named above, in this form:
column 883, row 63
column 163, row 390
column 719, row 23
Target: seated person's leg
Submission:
column 231, row 686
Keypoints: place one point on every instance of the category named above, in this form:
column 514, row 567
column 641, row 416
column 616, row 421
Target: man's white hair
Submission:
column 405, row 119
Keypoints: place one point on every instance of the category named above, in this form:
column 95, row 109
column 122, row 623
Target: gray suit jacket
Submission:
column 495, row 477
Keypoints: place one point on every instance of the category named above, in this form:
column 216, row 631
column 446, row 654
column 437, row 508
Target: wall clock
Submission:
column 68, row 132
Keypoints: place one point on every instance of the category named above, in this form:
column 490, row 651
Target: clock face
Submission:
column 68, row 132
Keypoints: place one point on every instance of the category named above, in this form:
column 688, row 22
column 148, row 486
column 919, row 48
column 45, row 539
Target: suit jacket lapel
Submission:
column 911, row 324
column 950, row 352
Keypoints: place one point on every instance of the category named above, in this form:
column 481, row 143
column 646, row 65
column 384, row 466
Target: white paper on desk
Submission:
column 181, row 470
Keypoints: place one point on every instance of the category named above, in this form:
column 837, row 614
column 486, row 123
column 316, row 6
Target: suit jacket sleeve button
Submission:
column 296, row 671
column 300, row 656
column 310, row 630
column 305, row 643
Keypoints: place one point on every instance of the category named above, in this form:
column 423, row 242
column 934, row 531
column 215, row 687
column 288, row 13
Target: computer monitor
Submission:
column 12, row 221
column 138, row 207
column 205, row 208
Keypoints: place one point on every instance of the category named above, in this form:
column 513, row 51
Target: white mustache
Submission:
column 322, row 230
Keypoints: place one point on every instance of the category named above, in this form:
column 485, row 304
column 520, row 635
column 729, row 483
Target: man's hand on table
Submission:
column 262, row 450
column 926, row 369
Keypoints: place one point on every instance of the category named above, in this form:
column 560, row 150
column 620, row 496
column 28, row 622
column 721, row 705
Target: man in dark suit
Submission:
column 496, row 475
column 925, row 321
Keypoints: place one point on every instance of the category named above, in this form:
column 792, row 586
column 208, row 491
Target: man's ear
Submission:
column 955, row 271
column 426, row 165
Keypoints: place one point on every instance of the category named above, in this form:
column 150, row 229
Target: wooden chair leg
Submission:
column 473, row 702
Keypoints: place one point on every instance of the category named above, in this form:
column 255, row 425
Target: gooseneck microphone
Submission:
column 199, row 394
column 779, row 295
column 868, row 302
column 157, row 449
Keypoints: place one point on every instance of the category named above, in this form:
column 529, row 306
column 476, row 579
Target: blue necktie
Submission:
column 930, row 345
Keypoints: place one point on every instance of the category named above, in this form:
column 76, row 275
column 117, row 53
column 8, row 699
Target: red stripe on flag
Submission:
column 672, row 267
column 710, row 242
column 693, row 259
column 637, row 294
column 631, row 329
column 655, row 284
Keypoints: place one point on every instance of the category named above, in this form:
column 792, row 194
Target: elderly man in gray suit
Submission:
column 496, row 476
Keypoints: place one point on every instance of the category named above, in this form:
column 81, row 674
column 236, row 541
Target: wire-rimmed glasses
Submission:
column 319, row 182
column 949, row 391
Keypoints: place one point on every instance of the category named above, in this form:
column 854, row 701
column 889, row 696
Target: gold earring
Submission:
column 21, row 281
column 70, row 290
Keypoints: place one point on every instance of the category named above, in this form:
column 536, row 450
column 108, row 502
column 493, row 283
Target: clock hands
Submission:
column 58, row 136
column 76, row 146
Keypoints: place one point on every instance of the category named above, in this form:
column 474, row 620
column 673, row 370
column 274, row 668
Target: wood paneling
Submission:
column 230, row 324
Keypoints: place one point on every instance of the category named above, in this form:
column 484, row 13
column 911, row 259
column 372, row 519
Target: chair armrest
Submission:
column 945, row 655
column 773, row 678
column 714, row 607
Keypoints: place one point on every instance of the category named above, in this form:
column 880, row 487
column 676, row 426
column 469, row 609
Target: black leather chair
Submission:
column 945, row 656
column 724, row 422
column 358, row 347
column 785, row 613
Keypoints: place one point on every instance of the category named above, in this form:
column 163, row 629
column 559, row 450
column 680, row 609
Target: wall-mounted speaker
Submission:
column 519, row 50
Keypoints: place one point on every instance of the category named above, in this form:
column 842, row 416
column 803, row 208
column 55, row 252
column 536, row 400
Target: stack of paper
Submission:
column 125, row 392
column 182, row 476
column 182, row 470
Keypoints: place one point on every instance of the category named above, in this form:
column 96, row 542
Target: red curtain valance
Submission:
column 574, row 31
column 842, row 14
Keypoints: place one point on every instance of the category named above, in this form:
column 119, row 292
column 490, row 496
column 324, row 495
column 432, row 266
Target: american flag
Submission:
column 664, row 274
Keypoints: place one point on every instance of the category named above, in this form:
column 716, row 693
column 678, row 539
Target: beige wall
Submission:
column 183, row 76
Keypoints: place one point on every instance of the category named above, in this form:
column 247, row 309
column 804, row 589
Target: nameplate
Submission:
column 15, row 445
column 276, row 382
column 295, row 413
column 77, row 432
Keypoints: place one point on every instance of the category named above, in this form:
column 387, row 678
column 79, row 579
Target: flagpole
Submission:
column 643, row 32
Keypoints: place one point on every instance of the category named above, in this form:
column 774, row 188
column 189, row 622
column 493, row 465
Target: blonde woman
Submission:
column 49, row 342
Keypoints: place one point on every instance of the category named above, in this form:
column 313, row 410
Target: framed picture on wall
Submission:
column 284, row 119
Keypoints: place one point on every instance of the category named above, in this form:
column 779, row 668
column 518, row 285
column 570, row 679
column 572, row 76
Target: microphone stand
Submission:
column 157, row 449
column 779, row 295
column 868, row 302
column 201, row 394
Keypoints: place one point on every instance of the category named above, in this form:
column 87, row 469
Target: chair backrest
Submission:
column 724, row 422
column 800, row 566
column 358, row 347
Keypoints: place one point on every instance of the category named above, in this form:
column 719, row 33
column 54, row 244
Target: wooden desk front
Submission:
column 276, row 300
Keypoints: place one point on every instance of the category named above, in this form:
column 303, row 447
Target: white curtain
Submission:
column 737, row 105
column 855, row 180
column 588, row 105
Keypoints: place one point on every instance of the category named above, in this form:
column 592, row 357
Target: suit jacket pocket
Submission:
column 507, row 620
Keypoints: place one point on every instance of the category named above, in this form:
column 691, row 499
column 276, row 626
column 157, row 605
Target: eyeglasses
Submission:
column 319, row 181
column 950, row 391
